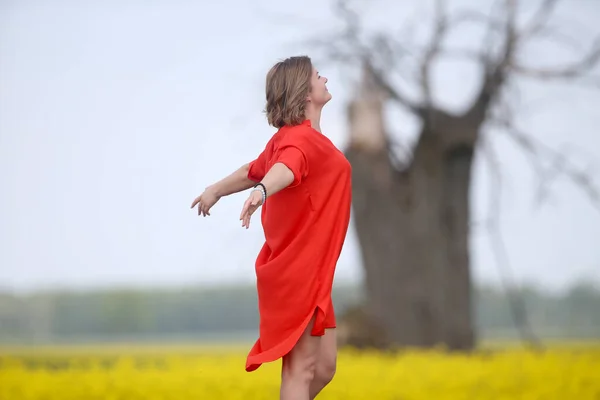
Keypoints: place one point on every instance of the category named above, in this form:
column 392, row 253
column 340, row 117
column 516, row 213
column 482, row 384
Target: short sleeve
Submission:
column 295, row 159
column 256, row 170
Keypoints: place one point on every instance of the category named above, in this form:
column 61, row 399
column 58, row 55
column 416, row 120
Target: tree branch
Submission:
column 394, row 94
column 348, row 48
column 560, row 164
column 463, row 53
column 495, row 73
column 538, row 27
column 516, row 304
column 441, row 25
column 573, row 70
column 559, row 38
column 540, row 18
column 475, row 16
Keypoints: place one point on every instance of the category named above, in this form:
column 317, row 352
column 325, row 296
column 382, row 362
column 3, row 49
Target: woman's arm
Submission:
column 278, row 178
column 233, row 183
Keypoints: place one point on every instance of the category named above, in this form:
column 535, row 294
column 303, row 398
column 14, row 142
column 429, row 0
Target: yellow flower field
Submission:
column 564, row 372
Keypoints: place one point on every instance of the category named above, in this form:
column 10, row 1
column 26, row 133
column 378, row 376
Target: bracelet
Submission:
column 262, row 189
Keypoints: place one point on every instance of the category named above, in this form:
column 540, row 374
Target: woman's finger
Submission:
column 250, row 206
column 243, row 211
column 245, row 208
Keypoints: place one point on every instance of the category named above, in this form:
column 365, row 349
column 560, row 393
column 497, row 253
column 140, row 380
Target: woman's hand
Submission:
column 206, row 200
column 254, row 201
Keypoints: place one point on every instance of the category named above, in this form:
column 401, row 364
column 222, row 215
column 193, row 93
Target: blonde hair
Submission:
column 287, row 86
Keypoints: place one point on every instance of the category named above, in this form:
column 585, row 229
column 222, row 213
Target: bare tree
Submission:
column 412, row 212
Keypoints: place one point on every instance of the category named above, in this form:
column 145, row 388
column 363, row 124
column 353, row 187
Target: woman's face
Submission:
column 319, row 95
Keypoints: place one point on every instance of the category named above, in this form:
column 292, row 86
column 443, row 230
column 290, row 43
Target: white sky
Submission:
column 114, row 115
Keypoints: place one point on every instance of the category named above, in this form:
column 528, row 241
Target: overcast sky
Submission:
column 114, row 115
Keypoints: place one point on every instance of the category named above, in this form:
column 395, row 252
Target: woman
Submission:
column 303, row 183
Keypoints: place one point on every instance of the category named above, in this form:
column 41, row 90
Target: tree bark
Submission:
column 413, row 232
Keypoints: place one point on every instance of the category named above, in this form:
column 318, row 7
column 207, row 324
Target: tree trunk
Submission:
column 412, row 227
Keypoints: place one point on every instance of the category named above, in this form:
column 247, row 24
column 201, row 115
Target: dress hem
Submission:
column 253, row 362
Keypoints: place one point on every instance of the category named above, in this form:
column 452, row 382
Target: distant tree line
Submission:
column 196, row 313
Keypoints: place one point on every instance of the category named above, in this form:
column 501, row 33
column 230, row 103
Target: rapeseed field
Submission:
column 565, row 372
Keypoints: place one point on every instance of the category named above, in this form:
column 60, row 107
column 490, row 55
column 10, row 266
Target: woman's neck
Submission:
column 314, row 116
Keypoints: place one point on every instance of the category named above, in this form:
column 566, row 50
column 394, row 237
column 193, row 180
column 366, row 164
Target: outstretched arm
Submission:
column 278, row 178
column 233, row 183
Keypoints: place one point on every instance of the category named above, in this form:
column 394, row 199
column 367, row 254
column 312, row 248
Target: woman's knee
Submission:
column 299, row 367
column 301, row 362
column 326, row 371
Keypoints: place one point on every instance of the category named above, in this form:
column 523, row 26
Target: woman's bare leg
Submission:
column 326, row 363
column 299, row 366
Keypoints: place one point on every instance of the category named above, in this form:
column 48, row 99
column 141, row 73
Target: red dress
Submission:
column 305, row 227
